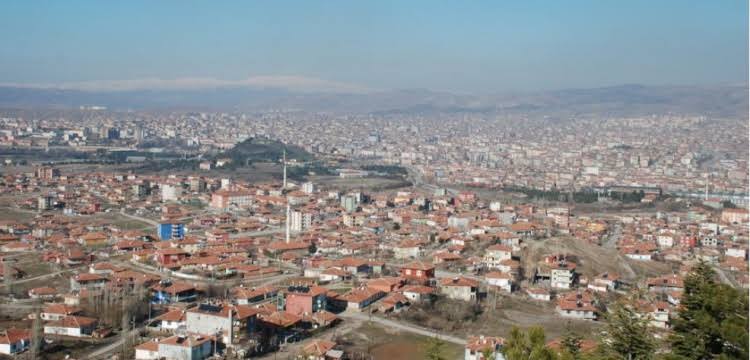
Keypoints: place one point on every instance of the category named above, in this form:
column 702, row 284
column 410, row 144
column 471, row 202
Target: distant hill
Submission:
column 624, row 100
column 261, row 149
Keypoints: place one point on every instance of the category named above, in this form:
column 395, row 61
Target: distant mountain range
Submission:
column 624, row 100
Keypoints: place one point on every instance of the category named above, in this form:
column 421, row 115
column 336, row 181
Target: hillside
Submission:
column 260, row 149
column 625, row 100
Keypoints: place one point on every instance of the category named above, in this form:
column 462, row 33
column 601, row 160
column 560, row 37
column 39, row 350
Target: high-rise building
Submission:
column 113, row 133
column 171, row 231
column 45, row 202
column 308, row 188
column 349, row 203
column 198, row 184
column 300, row 221
column 170, row 192
column 46, row 172
column 142, row 189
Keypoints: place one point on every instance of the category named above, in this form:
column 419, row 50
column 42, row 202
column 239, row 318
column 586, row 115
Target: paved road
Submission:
column 404, row 327
column 40, row 277
column 724, row 278
column 257, row 233
column 611, row 243
column 107, row 350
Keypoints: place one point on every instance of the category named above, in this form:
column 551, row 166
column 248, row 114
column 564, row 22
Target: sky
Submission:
column 476, row 47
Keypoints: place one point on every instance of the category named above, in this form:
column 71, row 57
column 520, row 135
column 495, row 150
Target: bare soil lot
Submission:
column 457, row 318
column 387, row 344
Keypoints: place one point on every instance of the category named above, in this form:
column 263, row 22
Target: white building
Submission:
column 308, row 188
column 170, row 192
column 300, row 221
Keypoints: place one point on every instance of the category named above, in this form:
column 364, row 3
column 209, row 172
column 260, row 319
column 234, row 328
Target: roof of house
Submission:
column 318, row 347
column 459, row 281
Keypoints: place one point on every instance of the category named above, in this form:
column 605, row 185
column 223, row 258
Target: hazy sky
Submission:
column 464, row 46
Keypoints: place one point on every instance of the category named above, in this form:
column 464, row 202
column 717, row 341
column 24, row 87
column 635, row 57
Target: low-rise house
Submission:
column 394, row 302
column 334, row 275
column 386, row 284
column 360, row 298
column 418, row 293
column 666, row 283
column 459, row 288
column 168, row 292
column 45, row 293
column 578, row 305
column 478, row 346
column 54, row 311
column 418, row 271
column 76, row 326
column 14, row 341
column 496, row 254
column 657, row 312
column 172, row 320
column 305, row 299
column 148, row 350
column 88, row 281
column 409, row 249
column 190, row 347
column 245, row 296
column 539, row 294
column 605, row 282
column 228, row 322
column 503, row 281
column 319, row 350
column 639, row 251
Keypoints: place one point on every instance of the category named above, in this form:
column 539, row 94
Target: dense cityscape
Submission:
column 391, row 181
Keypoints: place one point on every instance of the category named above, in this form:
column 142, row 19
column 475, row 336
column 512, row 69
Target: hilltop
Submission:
column 261, row 149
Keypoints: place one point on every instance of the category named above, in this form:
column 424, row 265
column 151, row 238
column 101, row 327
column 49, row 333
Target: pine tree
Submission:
column 527, row 346
column 627, row 334
column 435, row 349
column 571, row 343
column 712, row 321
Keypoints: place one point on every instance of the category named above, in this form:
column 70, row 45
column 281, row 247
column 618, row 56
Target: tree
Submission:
column 435, row 349
column 571, row 344
column 627, row 334
column 527, row 346
column 488, row 353
column 712, row 321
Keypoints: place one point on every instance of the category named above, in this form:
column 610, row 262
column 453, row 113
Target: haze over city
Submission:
column 477, row 48
column 331, row 180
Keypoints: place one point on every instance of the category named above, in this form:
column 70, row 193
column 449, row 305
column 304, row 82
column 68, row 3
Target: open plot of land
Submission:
column 370, row 183
column 458, row 319
column 388, row 344
column 123, row 222
column 10, row 214
column 591, row 259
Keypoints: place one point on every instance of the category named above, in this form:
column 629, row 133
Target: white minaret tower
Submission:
column 284, row 184
column 705, row 196
column 288, row 212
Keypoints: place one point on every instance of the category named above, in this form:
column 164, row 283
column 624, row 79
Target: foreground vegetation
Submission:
column 712, row 323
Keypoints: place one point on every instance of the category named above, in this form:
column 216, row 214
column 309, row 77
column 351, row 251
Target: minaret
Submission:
column 288, row 211
column 705, row 196
column 284, row 184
